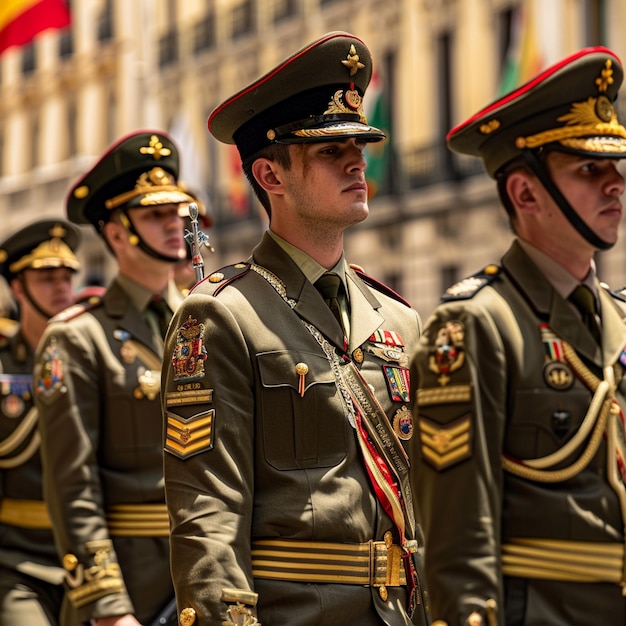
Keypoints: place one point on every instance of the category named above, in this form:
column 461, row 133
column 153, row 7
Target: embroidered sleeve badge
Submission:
column 51, row 374
column 190, row 353
column 186, row 437
column 448, row 354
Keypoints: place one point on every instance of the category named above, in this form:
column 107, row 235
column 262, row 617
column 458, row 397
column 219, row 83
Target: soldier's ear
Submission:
column 17, row 287
column 521, row 187
column 113, row 232
column 268, row 174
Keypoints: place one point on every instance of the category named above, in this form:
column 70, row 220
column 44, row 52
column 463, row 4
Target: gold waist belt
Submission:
column 138, row 520
column 25, row 513
column 571, row 561
column 371, row 563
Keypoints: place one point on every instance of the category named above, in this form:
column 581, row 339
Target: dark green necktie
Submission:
column 162, row 313
column 329, row 285
column 584, row 300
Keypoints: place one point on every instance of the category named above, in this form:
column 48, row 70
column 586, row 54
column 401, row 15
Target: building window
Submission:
column 204, row 34
column 284, row 9
column 449, row 276
column 66, row 39
column 505, row 38
column 105, row 22
column 112, row 112
column 444, row 92
column 72, row 143
column 34, row 128
column 168, row 48
column 595, row 22
column 28, row 59
column 243, row 18
column 66, row 44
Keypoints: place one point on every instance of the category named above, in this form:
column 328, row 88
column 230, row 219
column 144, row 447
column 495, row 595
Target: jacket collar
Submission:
column 553, row 309
column 364, row 318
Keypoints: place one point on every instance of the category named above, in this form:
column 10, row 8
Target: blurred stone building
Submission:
column 164, row 64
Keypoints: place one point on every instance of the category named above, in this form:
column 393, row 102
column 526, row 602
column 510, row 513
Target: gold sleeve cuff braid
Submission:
column 100, row 577
column 239, row 612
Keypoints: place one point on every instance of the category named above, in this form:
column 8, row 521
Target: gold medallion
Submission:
column 558, row 376
column 353, row 99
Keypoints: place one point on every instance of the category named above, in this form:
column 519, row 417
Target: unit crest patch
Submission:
column 190, row 353
column 448, row 354
column 51, row 374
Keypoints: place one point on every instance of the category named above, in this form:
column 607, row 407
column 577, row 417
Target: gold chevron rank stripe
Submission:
column 445, row 445
column 186, row 437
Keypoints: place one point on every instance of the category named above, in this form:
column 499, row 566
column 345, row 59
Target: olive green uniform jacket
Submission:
column 266, row 459
column 97, row 380
column 492, row 381
column 26, row 540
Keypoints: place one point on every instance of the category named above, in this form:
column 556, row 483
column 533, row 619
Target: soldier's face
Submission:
column 326, row 183
column 161, row 227
column 593, row 187
column 51, row 289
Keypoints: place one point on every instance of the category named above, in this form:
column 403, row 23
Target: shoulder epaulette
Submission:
column 8, row 327
column 222, row 277
column 376, row 284
column 470, row 286
column 618, row 294
column 76, row 309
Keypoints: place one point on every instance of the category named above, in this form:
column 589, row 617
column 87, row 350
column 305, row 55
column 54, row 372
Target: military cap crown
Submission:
column 47, row 243
column 567, row 107
column 141, row 169
column 316, row 94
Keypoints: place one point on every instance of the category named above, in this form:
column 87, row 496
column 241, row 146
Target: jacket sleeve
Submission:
column 459, row 371
column 67, row 392
column 208, row 404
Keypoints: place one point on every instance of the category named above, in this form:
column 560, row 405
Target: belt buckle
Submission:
column 385, row 565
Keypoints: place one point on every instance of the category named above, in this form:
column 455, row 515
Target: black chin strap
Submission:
column 533, row 161
column 136, row 240
column 34, row 304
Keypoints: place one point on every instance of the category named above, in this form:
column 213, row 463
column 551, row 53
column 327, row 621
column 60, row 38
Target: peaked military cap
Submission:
column 43, row 244
column 139, row 170
column 568, row 107
column 314, row 95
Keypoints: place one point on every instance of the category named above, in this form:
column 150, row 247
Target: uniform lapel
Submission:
column 613, row 328
column 549, row 305
column 364, row 315
column 127, row 318
column 309, row 303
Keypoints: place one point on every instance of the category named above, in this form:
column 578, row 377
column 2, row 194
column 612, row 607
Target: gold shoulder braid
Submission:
column 8, row 445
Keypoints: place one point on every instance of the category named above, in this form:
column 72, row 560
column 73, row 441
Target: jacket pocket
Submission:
column 302, row 415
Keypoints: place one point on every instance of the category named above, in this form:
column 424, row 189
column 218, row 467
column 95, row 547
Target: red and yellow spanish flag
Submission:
column 22, row 20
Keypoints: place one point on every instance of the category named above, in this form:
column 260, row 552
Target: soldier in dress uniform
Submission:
column 286, row 417
column 97, row 388
column 519, row 453
column 38, row 262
